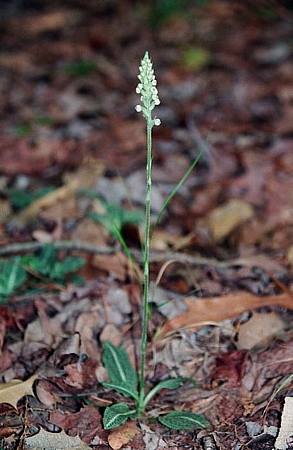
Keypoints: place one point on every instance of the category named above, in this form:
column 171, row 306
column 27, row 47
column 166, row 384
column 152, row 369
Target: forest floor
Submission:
column 72, row 163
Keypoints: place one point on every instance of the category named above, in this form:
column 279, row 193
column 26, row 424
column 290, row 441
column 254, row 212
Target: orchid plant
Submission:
column 123, row 377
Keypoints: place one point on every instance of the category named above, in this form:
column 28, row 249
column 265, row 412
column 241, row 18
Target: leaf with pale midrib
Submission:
column 118, row 366
column 183, row 420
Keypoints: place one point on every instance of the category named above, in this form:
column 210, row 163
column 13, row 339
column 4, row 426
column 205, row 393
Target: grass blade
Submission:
column 177, row 187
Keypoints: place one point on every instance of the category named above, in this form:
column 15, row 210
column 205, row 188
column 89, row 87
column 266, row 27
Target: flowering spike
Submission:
column 147, row 90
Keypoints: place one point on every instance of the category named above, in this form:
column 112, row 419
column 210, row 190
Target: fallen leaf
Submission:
column 212, row 310
column 251, row 185
column 259, row 330
column 47, row 21
column 118, row 265
column 17, row 155
column 87, row 423
column 45, row 393
column 230, row 367
column 226, row 218
column 111, row 333
column 163, row 241
column 54, row 441
column 85, row 177
column 290, row 255
column 16, row 389
column 122, row 435
column 152, row 440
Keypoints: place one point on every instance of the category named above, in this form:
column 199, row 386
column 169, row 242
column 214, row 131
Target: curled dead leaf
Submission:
column 204, row 311
column 122, row 435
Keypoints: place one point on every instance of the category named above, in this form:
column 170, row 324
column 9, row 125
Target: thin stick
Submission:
column 27, row 247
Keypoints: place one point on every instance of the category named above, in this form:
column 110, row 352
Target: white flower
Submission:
column 147, row 90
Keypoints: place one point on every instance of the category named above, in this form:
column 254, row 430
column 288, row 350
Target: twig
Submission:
column 27, row 247
column 155, row 256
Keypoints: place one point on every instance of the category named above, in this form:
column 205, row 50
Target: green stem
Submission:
column 141, row 405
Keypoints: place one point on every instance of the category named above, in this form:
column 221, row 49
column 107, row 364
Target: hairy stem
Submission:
column 146, row 270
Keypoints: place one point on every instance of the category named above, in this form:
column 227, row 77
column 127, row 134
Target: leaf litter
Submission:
column 226, row 263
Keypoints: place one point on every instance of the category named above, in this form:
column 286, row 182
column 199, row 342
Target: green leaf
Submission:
column 194, row 58
column 20, row 199
column 118, row 366
column 104, row 220
column 116, row 415
column 171, row 383
column 162, row 10
column 267, row 13
column 62, row 268
column 43, row 262
column 178, row 186
column 46, row 264
column 122, row 388
column 183, row 420
column 80, row 68
column 115, row 217
column 21, row 129
column 44, row 120
column 12, row 276
column 78, row 280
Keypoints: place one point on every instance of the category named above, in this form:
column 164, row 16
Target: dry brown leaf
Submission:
column 16, row 389
column 87, row 422
column 226, row 218
column 122, row 435
column 152, row 440
column 17, row 155
column 162, row 241
column 85, row 325
column 54, row 441
column 204, row 311
column 117, row 265
column 47, row 21
column 20, row 61
column 290, row 255
column 85, row 177
column 45, row 394
column 111, row 333
column 259, row 330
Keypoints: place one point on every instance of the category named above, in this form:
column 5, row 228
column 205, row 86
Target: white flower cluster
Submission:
column 147, row 90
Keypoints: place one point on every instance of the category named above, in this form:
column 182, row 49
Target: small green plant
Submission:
column 80, row 68
column 21, row 129
column 123, row 378
column 26, row 128
column 114, row 216
column 162, row 10
column 15, row 272
column 21, row 199
column 12, row 276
